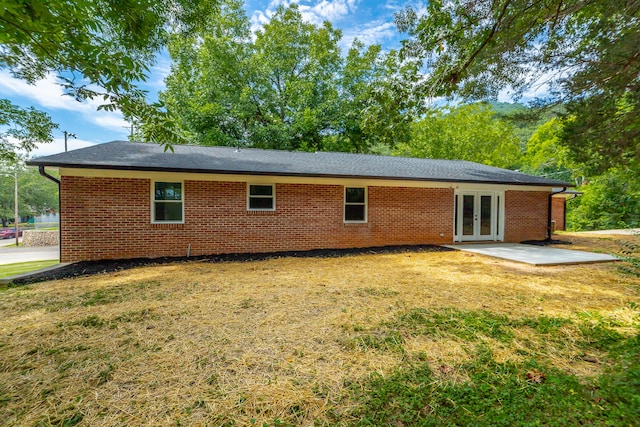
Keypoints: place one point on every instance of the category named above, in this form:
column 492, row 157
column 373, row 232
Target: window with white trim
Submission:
column 167, row 202
column 355, row 204
column 261, row 197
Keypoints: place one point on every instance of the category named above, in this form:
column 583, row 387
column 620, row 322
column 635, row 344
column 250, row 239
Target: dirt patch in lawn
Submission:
column 284, row 340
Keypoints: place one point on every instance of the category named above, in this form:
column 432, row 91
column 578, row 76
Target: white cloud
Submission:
column 258, row 19
column 328, row 10
column 159, row 71
column 45, row 93
column 370, row 33
column 325, row 10
column 316, row 12
column 57, row 146
column 48, row 94
column 538, row 86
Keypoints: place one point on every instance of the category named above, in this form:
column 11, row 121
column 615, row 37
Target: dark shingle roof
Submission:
column 124, row 155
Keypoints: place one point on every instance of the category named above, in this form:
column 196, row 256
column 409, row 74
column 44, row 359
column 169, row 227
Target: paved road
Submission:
column 11, row 255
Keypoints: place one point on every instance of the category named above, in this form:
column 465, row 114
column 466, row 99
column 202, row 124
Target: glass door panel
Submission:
column 486, row 204
column 468, row 215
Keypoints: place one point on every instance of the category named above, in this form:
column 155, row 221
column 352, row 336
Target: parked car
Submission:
column 9, row 233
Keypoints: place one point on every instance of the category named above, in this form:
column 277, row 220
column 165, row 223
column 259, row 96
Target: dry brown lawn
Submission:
column 209, row 344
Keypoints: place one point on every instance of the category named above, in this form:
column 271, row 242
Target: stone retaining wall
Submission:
column 40, row 238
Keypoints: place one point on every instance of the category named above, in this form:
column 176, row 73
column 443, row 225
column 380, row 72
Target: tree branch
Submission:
column 455, row 76
column 33, row 39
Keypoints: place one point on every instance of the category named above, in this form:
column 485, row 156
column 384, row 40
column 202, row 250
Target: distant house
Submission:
column 125, row 200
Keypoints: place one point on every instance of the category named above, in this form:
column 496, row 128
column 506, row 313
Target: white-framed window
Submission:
column 167, row 202
column 355, row 204
column 261, row 197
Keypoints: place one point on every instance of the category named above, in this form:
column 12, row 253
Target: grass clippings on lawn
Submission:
column 386, row 339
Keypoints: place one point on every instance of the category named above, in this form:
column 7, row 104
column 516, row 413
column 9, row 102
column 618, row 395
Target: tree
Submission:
column 546, row 156
column 27, row 126
column 467, row 132
column 609, row 201
column 287, row 88
column 377, row 104
column 588, row 52
column 36, row 195
column 207, row 95
column 97, row 48
column 275, row 91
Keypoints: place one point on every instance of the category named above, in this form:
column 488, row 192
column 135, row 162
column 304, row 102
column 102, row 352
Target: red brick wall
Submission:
column 109, row 218
column 557, row 211
column 526, row 215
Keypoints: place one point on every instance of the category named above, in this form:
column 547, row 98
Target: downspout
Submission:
column 57, row 181
column 549, row 210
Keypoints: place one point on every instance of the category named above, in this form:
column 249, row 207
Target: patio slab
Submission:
column 535, row 255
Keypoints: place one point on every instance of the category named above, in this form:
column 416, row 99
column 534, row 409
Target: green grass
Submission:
column 24, row 267
column 485, row 391
column 12, row 245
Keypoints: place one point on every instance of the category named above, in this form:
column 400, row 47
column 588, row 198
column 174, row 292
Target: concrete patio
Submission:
column 534, row 255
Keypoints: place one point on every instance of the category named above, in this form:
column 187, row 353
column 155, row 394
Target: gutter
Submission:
column 549, row 210
column 46, row 175
column 57, row 181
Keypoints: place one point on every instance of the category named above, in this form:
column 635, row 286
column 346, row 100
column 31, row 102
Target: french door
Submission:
column 477, row 216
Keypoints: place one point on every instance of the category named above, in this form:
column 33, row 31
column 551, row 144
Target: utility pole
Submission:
column 131, row 130
column 66, row 135
column 15, row 212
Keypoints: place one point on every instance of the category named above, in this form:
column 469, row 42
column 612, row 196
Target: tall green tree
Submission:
column 608, row 201
column 588, row 52
column 288, row 87
column 27, row 126
column 547, row 156
column 97, row 48
column 297, row 66
column 207, row 96
column 468, row 132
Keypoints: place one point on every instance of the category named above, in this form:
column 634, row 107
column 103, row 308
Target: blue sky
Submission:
column 370, row 21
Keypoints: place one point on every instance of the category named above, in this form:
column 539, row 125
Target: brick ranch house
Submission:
column 126, row 200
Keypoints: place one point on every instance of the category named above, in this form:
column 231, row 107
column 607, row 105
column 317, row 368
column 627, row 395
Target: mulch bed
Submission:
column 546, row 242
column 87, row 268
